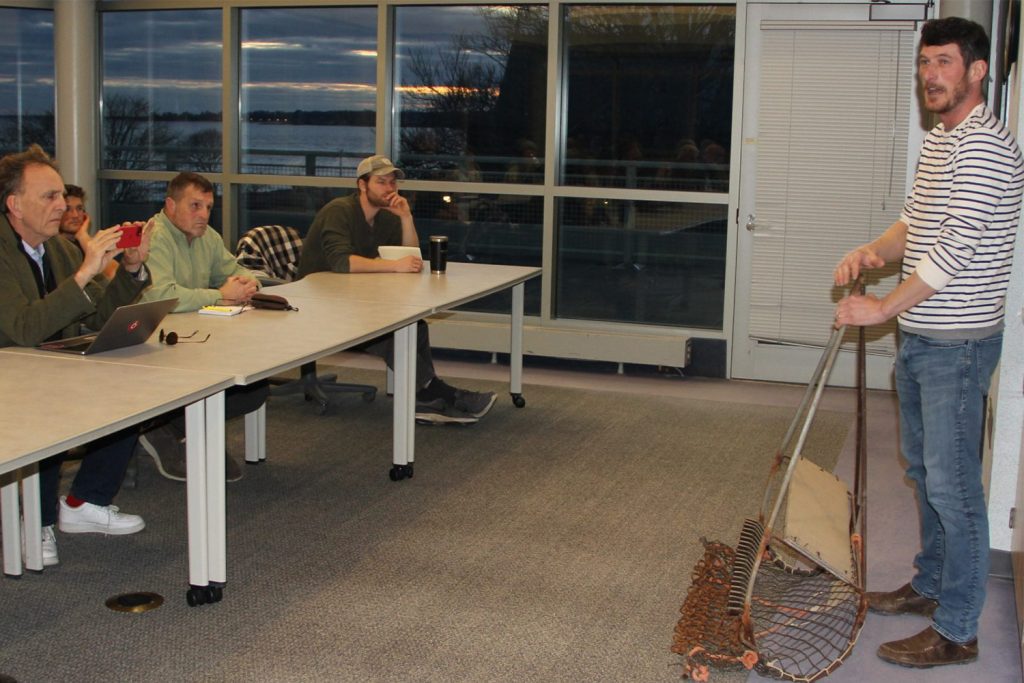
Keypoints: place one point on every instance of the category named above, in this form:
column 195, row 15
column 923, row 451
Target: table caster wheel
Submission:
column 518, row 401
column 400, row 472
column 214, row 593
column 196, row 595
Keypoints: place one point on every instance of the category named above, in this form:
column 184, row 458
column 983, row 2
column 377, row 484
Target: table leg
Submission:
column 404, row 415
column 256, row 435
column 515, row 360
column 204, row 453
column 216, row 506
column 10, row 516
column 195, row 487
column 32, row 512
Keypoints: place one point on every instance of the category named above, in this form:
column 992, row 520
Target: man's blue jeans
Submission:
column 942, row 385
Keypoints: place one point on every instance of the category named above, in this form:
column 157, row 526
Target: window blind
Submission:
column 831, row 168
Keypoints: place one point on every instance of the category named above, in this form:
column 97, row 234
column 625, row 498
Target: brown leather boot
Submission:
column 903, row 600
column 927, row 649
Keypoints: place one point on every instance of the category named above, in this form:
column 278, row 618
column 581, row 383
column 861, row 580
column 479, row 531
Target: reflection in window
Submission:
column 286, row 205
column 649, row 96
column 138, row 200
column 162, row 90
column 470, row 94
column 656, row 263
column 26, row 80
column 485, row 228
column 308, row 90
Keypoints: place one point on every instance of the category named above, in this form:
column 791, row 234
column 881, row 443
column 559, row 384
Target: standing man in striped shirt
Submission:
column 955, row 238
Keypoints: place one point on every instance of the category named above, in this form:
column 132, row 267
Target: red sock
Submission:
column 72, row 501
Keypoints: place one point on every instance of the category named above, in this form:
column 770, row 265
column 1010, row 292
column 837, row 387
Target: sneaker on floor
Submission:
column 438, row 412
column 167, row 447
column 49, row 547
column 474, row 403
column 97, row 519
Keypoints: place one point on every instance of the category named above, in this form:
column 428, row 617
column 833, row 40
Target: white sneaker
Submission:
column 89, row 518
column 49, row 547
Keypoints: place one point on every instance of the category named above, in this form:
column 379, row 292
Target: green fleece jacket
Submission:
column 191, row 272
column 26, row 319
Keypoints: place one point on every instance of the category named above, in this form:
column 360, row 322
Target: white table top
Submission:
column 463, row 282
column 260, row 343
column 50, row 402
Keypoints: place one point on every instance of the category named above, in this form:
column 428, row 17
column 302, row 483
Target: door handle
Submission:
column 751, row 222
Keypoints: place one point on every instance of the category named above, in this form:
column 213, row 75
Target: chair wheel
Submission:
column 518, row 401
column 369, row 396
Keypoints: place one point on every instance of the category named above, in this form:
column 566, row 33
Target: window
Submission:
column 484, row 228
column 657, row 263
column 308, row 90
column 162, row 90
column 26, row 80
column 138, row 200
column 470, row 94
column 287, row 205
column 649, row 96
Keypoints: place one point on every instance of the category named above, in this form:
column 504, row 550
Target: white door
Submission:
column 829, row 99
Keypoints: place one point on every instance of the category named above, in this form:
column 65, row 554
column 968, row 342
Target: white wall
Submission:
column 1009, row 404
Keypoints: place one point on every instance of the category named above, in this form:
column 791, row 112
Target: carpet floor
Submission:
column 549, row 543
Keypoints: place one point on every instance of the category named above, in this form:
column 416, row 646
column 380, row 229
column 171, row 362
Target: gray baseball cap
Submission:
column 378, row 165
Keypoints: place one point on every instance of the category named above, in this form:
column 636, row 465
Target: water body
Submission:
column 289, row 149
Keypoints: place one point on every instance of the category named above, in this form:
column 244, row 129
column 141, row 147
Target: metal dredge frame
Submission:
column 760, row 606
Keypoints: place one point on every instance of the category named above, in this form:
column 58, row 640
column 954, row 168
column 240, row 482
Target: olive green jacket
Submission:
column 28, row 320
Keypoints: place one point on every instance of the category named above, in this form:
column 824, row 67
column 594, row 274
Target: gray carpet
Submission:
column 551, row 543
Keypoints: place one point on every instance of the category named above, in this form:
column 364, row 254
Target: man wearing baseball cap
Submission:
column 344, row 238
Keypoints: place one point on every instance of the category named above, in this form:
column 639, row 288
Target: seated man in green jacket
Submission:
column 190, row 262
column 48, row 291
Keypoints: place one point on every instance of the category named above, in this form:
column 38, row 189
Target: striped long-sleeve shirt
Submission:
column 962, row 217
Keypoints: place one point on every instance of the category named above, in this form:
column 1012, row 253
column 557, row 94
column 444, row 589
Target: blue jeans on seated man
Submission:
column 99, row 476
column 942, row 385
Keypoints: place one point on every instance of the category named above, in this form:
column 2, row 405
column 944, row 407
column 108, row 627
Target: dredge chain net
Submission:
column 706, row 634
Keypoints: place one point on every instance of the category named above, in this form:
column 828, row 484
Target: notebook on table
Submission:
column 127, row 326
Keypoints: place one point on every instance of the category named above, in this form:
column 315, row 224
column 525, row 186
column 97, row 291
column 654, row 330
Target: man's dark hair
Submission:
column 968, row 36
column 184, row 180
column 12, row 170
column 74, row 191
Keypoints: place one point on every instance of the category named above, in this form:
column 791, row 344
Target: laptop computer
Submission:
column 127, row 326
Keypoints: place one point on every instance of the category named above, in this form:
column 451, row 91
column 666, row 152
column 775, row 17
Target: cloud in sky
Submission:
column 26, row 61
column 291, row 58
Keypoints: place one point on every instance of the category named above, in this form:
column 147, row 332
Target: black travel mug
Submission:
column 438, row 253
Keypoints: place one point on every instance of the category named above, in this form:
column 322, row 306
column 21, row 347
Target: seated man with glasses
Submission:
column 188, row 261
column 48, row 290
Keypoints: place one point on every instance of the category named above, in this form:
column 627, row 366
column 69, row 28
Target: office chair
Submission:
column 272, row 252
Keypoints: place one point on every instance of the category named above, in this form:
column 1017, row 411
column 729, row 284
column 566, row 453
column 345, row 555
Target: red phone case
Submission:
column 131, row 236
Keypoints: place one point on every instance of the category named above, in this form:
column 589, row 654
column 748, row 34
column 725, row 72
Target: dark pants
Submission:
column 384, row 347
column 99, row 476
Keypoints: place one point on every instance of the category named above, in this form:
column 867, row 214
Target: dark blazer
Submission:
column 28, row 320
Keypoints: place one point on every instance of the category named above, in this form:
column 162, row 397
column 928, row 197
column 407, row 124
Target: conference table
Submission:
column 334, row 312
column 95, row 400
column 460, row 284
